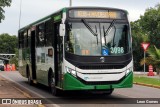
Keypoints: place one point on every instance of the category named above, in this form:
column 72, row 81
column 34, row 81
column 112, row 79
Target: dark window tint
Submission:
column 21, row 40
column 25, row 39
column 40, row 35
column 49, row 33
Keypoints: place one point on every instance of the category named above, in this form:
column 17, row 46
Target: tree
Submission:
column 8, row 43
column 145, row 29
column 153, row 58
column 3, row 3
column 14, row 60
column 138, row 36
column 150, row 24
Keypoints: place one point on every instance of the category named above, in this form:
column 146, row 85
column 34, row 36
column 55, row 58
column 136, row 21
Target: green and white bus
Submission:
column 78, row 48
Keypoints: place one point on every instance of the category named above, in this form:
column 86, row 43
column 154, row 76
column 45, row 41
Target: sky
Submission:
column 33, row 10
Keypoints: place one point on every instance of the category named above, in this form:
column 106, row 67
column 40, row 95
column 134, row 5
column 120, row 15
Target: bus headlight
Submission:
column 128, row 70
column 71, row 71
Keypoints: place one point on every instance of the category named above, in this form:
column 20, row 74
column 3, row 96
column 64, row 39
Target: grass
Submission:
column 146, row 80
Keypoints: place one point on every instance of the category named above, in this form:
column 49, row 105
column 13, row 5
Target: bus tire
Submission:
column 52, row 85
column 30, row 81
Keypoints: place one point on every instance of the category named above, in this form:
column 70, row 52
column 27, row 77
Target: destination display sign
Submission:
column 96, row 14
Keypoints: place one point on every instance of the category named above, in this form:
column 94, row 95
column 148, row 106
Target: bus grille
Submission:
column 101, row 82
column 102, row 67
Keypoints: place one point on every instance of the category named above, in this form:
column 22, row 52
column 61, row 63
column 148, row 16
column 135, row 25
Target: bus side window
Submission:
column 40, row 35
column 29, row 38
column 49, row 36
column 25, row 39
column 21, row 40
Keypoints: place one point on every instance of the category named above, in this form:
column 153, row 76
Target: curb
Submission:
column 22, row 91
column 148, row 85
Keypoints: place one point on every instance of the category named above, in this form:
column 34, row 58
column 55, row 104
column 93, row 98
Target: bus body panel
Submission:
column 93, row 78
column 23, row 61
column 44, row 63
column 71, row 83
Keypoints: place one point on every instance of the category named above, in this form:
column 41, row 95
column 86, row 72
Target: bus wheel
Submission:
column 53, row 88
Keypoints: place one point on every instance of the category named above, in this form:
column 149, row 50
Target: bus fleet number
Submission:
column 117, row 50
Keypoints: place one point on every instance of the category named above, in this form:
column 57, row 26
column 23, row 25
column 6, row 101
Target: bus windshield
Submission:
column 109, row 39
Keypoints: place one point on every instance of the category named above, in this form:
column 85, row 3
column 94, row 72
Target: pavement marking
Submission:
column 55, row 105
column 41, row 105
column 2, row 79
column 24, row 93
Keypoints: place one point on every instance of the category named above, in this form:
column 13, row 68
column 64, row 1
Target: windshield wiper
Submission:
column 96, row 33
column 90, row 29
column 109, row 28
column 104, row 35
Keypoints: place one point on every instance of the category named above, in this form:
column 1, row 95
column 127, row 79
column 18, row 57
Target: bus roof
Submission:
column 40, row 20
column 64, row 10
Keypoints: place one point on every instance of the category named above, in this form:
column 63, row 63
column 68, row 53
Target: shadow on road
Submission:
column 80, row 97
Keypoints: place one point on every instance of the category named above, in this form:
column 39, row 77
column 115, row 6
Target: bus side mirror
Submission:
column 62, row 29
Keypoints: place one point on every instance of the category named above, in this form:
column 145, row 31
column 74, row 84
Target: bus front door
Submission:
column 58, row 55
column 33, row 56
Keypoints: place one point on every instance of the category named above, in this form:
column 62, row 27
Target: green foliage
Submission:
column 150, row 24
column 14, row 60
column 138, row 37
column 146, row 29
column 146, row 80
column 154, row 53
column 153, row 58
column 8, row 43
column 3, row 3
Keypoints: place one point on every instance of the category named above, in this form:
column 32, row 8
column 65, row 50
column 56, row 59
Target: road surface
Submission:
column 88, row 99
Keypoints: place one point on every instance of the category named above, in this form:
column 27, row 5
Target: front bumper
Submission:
column 71, row 83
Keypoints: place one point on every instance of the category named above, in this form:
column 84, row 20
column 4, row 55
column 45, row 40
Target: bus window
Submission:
column 29, row 38
column 21, row 40
column 49, row 33
column 25, row 39
column 40, row 35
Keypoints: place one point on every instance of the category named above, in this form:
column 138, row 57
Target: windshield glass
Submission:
column 82, row 41
column 116, row 40
column 112, row 41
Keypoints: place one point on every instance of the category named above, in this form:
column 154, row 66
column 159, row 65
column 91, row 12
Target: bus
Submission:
column 1, row 65
column 78, row 48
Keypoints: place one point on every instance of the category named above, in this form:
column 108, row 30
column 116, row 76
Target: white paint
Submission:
column 43, row 68
column 145, row 46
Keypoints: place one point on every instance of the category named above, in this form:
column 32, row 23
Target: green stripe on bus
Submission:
column 64, row 10
column 71, row 83
column 58, row 17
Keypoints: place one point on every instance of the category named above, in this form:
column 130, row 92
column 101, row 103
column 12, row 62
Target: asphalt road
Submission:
column 83, row 99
